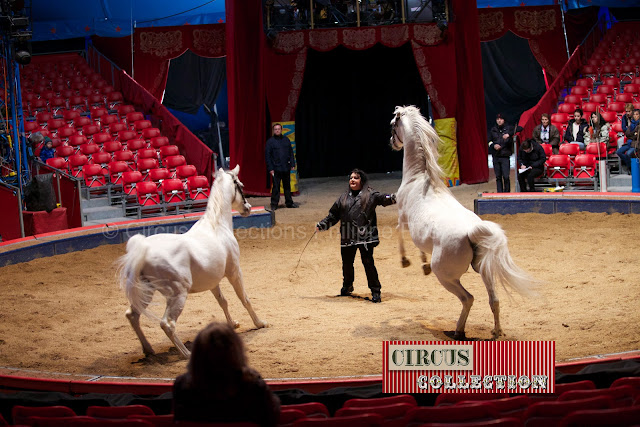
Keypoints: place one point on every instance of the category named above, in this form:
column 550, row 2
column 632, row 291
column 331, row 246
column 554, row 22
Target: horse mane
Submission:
column 217, row 203
column 428, row 141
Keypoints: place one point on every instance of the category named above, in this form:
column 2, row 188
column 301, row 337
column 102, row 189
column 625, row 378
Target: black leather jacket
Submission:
column 357, row 225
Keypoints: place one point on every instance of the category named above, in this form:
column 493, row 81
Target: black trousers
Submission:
column 366, row 255
column 528, row 177
column 502, row 169
column 285, row 178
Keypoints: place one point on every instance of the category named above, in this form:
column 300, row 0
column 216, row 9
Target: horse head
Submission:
column 399, row 129
column 239, row 202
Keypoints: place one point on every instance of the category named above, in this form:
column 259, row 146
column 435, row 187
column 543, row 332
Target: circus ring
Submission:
column 65, row 328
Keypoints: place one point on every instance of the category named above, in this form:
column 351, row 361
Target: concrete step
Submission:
column 99, row 213
column 619, row 189
column 95, row 202
column 107, row 220
column 619, row 180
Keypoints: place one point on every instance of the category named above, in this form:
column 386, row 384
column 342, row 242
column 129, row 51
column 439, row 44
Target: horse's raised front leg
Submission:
column 236, row 281
column 175, row 305
column 403, row 259
column 225, row 306
column 426, row 266
column 134, row 319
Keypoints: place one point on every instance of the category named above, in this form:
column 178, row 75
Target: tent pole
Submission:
column 564, row 29
column 133, row 26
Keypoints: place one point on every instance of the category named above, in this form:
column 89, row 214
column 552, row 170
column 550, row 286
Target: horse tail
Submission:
column 493, row 260
column 130, row 265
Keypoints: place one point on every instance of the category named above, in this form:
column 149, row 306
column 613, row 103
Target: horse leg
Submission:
column 455, row 287
column 494, row 303
column 225, row 306
column 403, row 259
column 175, row 305
column 426, row 267
column 236, row 281
column 134, row 319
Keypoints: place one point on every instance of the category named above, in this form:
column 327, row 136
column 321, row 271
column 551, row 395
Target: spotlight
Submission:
column 23, row 52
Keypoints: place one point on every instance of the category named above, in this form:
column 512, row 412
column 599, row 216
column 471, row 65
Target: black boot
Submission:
column 346, row 291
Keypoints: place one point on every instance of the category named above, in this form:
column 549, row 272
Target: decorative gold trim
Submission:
column 161, row 44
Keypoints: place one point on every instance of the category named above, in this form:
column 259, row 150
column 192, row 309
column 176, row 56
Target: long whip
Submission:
column 303, row 249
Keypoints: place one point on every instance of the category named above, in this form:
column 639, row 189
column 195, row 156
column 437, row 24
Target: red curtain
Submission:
column 470, row 114
column 549, row 100
column 154, row 47
column 541, row 25
column 247, row 135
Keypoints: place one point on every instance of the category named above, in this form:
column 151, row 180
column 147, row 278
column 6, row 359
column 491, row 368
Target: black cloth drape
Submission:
column 194, row 80
column 345, row 106
column 513, row 79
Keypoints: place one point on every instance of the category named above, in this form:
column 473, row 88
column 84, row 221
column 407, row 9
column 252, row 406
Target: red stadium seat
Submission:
column 158, row 175
column 149, row 133
column 362, row 420
column 77, row 163
column 65, row 151
column 81, row 121
column 93, row 176
column 581, row 91
column 598, row 149
column 126, row 135
column 390, row 413
column 173, row 191
column 21, row 414
column 132, row 117
column 140, row 125
column 89, row 150
column 58, row 163
column 97, row 113
column 545, row 414
column 116, row 128
column 103, row 159
column 167, row 151
column 147, row 153
column 158, row 141
column 76, row 141
column 600, row 98
column 64, row 133
column 101, row 138
column 124, row 109
column 559, row 166
column 172, row 162
column 566, row 108
column 609, row 116
column 136, row 144
column 622, row 396
column 112, row 146
column 585, row 82
column 125, row 156
column 606, row 90
column 90, row 130
column 479, row 412
column 198, row 188
column 624, row 97
column 185, row 171
column 573, row 99
column 118, row 412
column 633, row 89
column 130, row 182
column 616, row 107
column 107, row 120
column 116, row 169
column 603, row 417
column 145, row 165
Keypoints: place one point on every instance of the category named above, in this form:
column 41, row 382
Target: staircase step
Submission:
column 107, row 220
column 619, row 189
column 95, row 202
column 98, row 213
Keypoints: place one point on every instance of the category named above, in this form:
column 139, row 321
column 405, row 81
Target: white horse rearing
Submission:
column 196, row 261
column 440, row 225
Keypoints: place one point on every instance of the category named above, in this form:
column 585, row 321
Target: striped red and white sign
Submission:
column 468, row 367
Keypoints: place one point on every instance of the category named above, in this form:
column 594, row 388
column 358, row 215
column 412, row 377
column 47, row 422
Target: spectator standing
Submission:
column 501, row 148
column 280, row 162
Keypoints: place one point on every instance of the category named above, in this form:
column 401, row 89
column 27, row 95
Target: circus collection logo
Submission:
column 468, row 367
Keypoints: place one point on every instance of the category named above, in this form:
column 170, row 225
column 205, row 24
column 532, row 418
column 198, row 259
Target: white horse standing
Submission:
column 440, row 225
column 196, row 261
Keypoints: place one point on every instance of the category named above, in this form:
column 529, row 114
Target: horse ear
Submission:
column 236, row 170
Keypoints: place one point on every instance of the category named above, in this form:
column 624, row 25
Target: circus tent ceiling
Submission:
column 55, row 20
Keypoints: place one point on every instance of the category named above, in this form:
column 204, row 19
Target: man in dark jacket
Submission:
column 356, row 211
column 501, row 148
column 531, row 158
column 280, row 161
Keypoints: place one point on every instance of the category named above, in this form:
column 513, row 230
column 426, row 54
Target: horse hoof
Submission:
column 426, row 269
column 235, row 324
column 496, row 334
column 459, row 336
column 405, row 262
column 262, row 325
